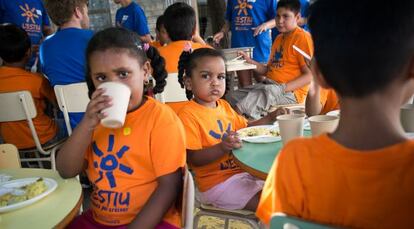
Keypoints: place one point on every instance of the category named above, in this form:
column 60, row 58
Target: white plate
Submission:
column 334, row 113
column 409, row 135
column 50, row 183
column 261, row 138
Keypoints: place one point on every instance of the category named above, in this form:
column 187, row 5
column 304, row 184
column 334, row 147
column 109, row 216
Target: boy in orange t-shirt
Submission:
column 361, row 175
column 180, row 23
column 15, row 52
column 286, row 75
column 161, row 38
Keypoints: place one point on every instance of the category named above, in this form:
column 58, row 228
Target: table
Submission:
column 257, row 158
column 56, row 210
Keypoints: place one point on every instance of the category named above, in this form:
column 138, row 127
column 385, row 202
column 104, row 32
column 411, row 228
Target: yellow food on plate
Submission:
column 258, row 131
column 23, row 193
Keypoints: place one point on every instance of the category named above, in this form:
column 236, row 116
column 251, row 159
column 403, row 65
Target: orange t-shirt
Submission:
column 18, row 133
column 171, row 54
column 329, row 100
column 320, row 180
column 290, row 61
column 205, row 127
column 124, row 163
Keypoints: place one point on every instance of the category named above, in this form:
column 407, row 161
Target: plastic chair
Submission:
column 246, row 216
column 71, row 98
column 282, row 221
column 20, row 106
column 172, row 91
column 9, row 157
column 187, row 212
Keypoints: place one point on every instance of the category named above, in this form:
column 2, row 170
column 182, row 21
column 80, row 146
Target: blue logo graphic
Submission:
column 222, row 133
column 109, row 162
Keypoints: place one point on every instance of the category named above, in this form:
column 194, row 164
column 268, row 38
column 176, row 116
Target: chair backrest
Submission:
column 188, row 200
column 18, row 106
column 172, row 91
column 71, row 98
column 9, row 157
column 282, row 221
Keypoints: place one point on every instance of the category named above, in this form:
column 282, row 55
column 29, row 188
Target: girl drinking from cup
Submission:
column 210, row 125
column 136, row 179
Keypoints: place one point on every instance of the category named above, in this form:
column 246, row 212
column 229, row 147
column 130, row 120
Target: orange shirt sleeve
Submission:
column 304, row 43
column 239, row 121
column 168, row 151
column 192, row 131
column 283, row 190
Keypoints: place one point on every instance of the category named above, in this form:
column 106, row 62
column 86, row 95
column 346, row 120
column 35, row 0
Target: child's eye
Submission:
column 123, row 74
column 100, row 77
column 205, row 76
column 221, row 77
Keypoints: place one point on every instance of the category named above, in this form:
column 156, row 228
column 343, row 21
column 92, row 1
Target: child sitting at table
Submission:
column 286, row 77
column 135, row 174
column 210, row 125
column 161, row 37
column 15, row 52
column 361, row 175
column 320, row 100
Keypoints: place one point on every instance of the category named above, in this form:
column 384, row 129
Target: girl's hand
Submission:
column 231, row 141
column 93, row 113
column 259, row 29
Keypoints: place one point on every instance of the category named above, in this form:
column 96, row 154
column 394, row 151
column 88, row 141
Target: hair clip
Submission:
column 145, row 46
column 187, row 47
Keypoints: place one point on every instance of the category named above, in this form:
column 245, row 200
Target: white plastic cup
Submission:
column 321, row 124
column 290, row 126
column 407, row 117
column 120, row 94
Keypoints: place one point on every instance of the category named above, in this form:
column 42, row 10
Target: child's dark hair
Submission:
column 121, row 38
column 360, row 50
column 159, row 23
column 14, row 43
column 188, row 61
column 292, row 5
column 179, row 21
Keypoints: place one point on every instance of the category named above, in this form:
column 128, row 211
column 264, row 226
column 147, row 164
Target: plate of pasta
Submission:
column 19, row 193
column 260, row 134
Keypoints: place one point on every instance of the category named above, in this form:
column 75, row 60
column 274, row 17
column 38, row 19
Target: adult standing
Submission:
column 250, row 22
column 131, row 16
column 62, row 55
column 31, row 16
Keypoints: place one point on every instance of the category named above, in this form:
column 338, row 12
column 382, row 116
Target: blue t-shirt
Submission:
column 133, row 18
column 304, row 12
column 244, row 15
column 29, row 15
column 63, row 61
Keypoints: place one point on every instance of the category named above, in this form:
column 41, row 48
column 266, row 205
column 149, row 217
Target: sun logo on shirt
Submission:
column 223, row 133
column 242, row 7
column 29, row 13
column 109, row 162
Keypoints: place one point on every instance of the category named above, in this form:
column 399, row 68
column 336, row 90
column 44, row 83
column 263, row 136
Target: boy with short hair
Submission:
column 287, row 70
column 361, row 175
column 180, row 23
column 15, row 52
column 131, row 16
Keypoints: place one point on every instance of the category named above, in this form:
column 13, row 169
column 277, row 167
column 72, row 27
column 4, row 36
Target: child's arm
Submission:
column 162, row 198
column 70, row 158
column 264, row 27
column 225, row 29
column 304, row 79
column 313, row 104
column 270, row 118
column 261, row 69
column 207, row 155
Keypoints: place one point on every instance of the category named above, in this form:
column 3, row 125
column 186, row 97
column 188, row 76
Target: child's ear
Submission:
column 298, row 16
column 187, row 83
column 147, row 70
column 317, row 74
